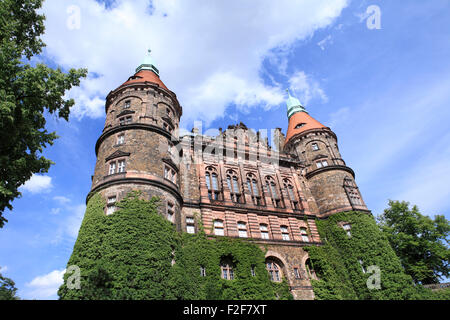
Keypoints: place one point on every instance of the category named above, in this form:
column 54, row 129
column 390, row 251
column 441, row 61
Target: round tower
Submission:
column 331, row 181
column 136, row 148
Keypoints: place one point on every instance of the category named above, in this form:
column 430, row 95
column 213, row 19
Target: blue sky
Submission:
column 384, row 92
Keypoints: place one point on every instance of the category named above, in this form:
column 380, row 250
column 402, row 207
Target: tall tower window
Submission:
column 112, row 168
column 263, row 228
column 233, row 186
column 121, row 139
column 242, row 229
column 252, row 185
column 212, row 182
column 170, row 211
column 202, row 271
column 111, row 205
column 170, row 174
column 121, row 166
column 352, row 192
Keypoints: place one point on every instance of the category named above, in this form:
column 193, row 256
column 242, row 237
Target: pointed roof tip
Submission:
column 148, row 63
column 293, row 105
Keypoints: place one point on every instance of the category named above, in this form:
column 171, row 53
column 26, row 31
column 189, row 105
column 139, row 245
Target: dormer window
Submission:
column 300, row 125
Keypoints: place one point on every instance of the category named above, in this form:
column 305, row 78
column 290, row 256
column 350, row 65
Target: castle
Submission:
column 234, row 184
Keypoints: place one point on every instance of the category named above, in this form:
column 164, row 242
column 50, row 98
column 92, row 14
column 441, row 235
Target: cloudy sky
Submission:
column 384, row 90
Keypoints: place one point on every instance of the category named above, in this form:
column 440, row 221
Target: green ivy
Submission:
column 128, row 255
column 337, row 262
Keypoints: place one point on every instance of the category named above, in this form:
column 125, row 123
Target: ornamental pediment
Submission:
column 117, row 154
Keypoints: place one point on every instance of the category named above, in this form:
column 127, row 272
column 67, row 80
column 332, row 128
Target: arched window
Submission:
column 273, row 192
column 233, row 186
column 288, row 186
column 304, row 234
column 226, row 266
column 252, row 185
column 212, row 182
column 274, row 270
column 218, row 227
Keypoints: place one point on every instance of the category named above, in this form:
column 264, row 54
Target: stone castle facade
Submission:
column 234, row 183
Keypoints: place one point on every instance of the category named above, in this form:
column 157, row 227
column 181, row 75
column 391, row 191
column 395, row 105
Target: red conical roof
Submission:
column 143, row 76
column 300, row 122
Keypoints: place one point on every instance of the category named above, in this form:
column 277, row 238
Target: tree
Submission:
column 26, row 92
column 420, row 242
column 7, row 289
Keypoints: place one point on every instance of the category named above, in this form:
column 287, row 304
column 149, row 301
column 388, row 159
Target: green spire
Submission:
column 148, row 64
column 293, row 105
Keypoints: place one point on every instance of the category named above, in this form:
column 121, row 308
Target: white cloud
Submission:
column 306, row 88
column 324, row 42
column 61, row 199
column 3, row 268
column 210, row 55
column 45, row 286
column 38, row 184
column 70, row 225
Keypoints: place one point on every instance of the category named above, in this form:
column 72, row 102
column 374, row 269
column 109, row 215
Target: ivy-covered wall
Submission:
column 129, row 254
column 338, row 262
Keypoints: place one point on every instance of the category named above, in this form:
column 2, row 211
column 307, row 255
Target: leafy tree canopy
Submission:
column 7, row 289
column 26, row 92
column 419, row 241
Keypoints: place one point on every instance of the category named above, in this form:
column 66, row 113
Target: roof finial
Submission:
column 148, row 64
column 293, row 105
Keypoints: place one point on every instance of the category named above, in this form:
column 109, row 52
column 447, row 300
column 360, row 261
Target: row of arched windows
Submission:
column 235, row 188
column 274, row 267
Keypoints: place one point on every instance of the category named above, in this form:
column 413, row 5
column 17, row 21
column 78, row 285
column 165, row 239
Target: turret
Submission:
column 331, row 181
column 136, row 148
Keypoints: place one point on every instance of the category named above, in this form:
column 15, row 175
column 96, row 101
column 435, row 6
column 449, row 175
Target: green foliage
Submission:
column 337, row 263
column 420, row 242
column 7, row 289
column 26, row 92
column 128, row 255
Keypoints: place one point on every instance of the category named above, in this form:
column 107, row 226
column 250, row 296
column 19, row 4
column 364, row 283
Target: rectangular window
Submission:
column 121, row 166
column 170, row 211
column 347, row 227
column 242, row 228
column 252, row 271
column 120, row 139
column 190, row 225
column 111, row 208
column 264, row 231
column 127, row 104
column 112, row 199
column 202, row 272
column 218, row 228
column 296, row 273
column 112, row 168
column 315, row 146
column 285, row 233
